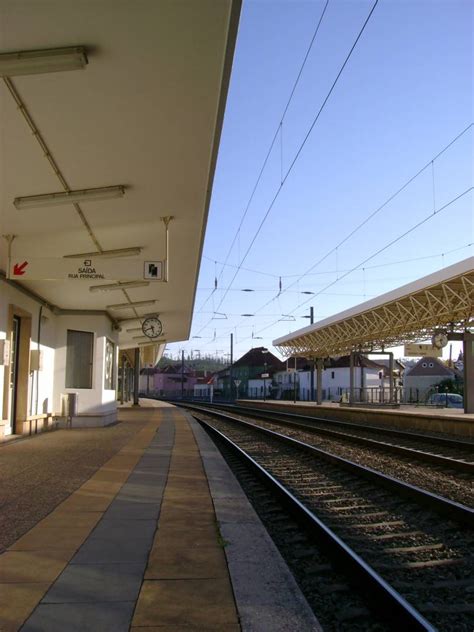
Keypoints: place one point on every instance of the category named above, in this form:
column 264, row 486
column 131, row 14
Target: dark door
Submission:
column 14, row 372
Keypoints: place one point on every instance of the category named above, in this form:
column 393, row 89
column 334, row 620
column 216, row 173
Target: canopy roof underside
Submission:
column 443, row 300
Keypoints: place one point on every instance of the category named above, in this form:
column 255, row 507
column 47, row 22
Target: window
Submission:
column 333, row 375
column 79, row 359
column 109, row 371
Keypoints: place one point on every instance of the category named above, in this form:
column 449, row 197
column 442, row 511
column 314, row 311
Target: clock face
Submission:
column 439, row 340
column 152, row 327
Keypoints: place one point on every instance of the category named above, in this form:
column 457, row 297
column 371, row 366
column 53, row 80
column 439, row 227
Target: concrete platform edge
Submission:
column 266, row 593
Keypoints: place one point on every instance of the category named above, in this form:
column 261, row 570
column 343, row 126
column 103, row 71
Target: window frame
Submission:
column 112, row 378
column 69, row 378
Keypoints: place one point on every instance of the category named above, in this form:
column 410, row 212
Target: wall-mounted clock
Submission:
column 439, row 339
column 152, row 327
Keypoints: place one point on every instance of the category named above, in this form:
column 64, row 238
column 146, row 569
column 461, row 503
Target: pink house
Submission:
column 169, row 382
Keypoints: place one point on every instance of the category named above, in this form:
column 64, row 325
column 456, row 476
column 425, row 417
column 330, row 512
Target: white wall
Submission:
column 40, row 383
column 46, row 385
column 91, row 400
column 341, row 380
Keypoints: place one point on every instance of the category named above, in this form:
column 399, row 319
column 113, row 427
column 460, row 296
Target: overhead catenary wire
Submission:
column 367, row 219
column 300, row 149
column 278, row 132
column 325, row 272
column 377, row 252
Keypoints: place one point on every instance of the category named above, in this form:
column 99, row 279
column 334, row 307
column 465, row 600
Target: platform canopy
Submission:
column 118, row 105
column 442, row 301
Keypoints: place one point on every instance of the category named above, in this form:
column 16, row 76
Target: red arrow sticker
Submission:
column 19, row 268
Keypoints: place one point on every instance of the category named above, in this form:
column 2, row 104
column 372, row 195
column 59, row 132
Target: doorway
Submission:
column 13, row 383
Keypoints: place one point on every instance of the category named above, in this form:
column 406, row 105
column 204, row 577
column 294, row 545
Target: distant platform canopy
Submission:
column 442, row 301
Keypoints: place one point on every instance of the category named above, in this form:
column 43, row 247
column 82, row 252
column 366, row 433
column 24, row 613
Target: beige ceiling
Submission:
column 146, row 113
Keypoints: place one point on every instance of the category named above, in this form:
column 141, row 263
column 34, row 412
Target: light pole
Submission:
column 265, row 351
column 230, row 368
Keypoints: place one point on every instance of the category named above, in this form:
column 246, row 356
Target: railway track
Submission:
column 409, row 550
column 446, row 452
column 450, row 476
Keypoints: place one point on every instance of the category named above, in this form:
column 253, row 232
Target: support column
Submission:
column 182, row 374
column 122, row 383
column 351, row 378
column 311, row 396
column 136, row 381
column 390, row 377
column 231, row 375
column 362, row 397
column 468, row 355
column 319, row 381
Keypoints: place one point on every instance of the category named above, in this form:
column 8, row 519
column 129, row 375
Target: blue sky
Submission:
column 404, row 95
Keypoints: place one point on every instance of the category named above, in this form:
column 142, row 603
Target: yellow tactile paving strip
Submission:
column 31, row 565
column 187, row 585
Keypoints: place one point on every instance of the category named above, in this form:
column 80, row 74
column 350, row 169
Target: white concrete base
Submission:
column 90, row 420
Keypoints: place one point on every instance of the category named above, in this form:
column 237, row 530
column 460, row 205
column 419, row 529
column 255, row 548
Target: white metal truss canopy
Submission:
column 442, row 300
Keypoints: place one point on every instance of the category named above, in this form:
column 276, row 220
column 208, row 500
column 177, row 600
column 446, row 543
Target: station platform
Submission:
column 446, row 420
column 159, row 537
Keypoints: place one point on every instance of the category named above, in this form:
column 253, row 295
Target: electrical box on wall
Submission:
column 36, row 360
column 4, row 352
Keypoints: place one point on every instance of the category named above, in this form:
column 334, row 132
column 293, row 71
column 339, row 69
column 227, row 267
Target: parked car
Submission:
column 447, row 400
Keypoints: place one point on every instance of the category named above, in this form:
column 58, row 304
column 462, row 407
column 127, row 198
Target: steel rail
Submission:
column 449, row 508
column 442, row 441
column 438, row 459
column 385, row 600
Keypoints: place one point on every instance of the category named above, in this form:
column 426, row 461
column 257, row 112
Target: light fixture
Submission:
column 117, row 252
column 33, row 62
column 118, row 286
column 69, row 197
column 130, row 305
column 247, row 315
column 129, row 331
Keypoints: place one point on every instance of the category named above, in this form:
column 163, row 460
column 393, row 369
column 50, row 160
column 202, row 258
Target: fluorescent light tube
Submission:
column 118, row 286
column 69, row 197
column 134, row 329
column 130, row 305
column 133, row 319
column 117, row 252
column 33, row 62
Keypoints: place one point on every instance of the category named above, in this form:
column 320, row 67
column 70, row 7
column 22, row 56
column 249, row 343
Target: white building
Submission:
column 368, row 375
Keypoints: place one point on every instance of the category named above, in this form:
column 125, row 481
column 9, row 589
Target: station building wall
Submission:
column 38, row 392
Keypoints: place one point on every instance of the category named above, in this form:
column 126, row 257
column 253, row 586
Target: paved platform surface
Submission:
column 139, row 546
column 405, row 409
column 445, row 420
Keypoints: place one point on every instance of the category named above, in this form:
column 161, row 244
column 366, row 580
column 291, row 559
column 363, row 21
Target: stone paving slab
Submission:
column 90, row 583
column 70, row 617
column 195, row 602
column 126, row 507
column 17, row 603
column 33, row 566
column 103, row 551
column 189, row 628
column 43, row 538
